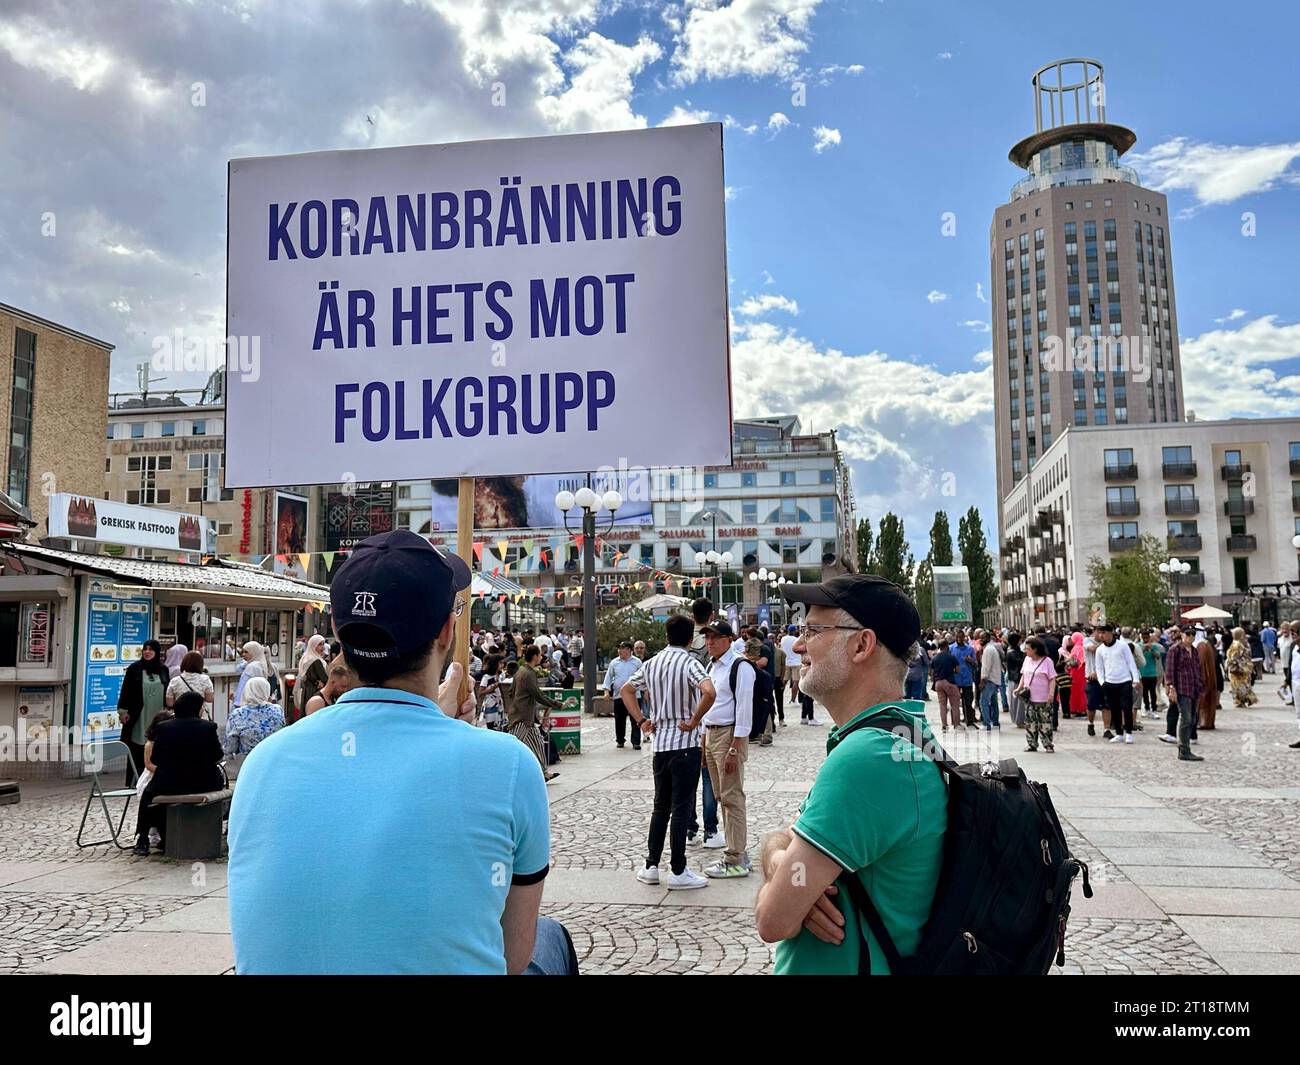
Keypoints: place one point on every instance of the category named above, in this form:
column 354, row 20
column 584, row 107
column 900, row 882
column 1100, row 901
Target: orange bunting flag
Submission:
column 478, row 553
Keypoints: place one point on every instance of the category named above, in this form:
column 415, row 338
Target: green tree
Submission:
column 1130, row 585
column 891, row 558
column 924, row 593
column 864, row 545
column 978, row 562
column 940, row 540
column 614, row 626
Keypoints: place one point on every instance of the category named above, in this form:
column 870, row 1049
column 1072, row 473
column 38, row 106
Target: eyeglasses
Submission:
column 806, row 630
column 459, row 608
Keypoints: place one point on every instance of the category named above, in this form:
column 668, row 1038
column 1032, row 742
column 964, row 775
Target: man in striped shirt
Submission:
column 677, row 690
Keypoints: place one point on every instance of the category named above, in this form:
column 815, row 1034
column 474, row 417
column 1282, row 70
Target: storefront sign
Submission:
column 36, row 712
column 352, row 516
column 104, row 521
column 34, row 643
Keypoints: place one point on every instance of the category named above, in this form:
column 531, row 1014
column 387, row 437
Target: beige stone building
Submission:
column 53, row 381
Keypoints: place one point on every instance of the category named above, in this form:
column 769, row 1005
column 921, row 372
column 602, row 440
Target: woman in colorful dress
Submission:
column 1038, row 678
column 1078, row 676
column 1241, row 670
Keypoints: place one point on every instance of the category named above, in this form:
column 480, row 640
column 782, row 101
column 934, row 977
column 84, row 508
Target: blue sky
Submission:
column 849, row 306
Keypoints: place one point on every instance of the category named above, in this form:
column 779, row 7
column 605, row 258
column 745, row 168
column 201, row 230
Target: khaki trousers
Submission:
column 728, row 788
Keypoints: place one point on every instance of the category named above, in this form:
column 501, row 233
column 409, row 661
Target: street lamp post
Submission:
column 768, row 581
column 1174, row 569
column 712, row 556
column 590, row 503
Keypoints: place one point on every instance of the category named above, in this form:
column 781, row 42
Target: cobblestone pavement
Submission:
column 37, row 927
column 1122, row 808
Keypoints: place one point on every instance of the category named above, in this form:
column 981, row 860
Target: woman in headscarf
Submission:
column 251, row 722
column 1209, row 673
column 175, row 656
column 312, row 673
column 142, row 698
column 257, row 664
column 1241, row 670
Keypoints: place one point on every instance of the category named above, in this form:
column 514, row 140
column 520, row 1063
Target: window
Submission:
column 787, row 478
column 225, row 528
column 647, row 552
column 200, row 429
column 710, row 480
column 194, row 495
column 748, row 480
column 168, row 428
column 828, row 508
column 110, row 430
column 1176, row 455
column 227, row 494
column 164, row 495
column 1123, row 530
column 108, row 465
column 749, row 510
column 194, row 461
column 137, row 430
column 790, row 553
column 1182, row 528
column 1119, row 457
column 1122, row 494
column 1177, row 493
column 1294, row 448
column 1241, row 573
column 826, row 476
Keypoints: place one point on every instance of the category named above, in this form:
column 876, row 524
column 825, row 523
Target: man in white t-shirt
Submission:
column 792, row 661
column 544, row 642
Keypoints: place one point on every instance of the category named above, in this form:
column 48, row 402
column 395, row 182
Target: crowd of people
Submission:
column 1041, row 678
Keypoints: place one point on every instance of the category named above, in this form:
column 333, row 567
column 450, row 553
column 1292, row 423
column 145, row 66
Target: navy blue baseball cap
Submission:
column 394, row 594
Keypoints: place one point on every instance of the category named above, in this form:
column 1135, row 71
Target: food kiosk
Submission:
column 71, row 623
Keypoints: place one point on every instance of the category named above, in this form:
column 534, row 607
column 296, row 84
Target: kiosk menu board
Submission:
column 116, row 627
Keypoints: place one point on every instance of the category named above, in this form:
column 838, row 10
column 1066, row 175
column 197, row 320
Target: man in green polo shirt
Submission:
column 878, row 809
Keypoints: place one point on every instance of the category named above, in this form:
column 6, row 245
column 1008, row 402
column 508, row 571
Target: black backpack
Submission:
column 764, row 696
column 1003, row 897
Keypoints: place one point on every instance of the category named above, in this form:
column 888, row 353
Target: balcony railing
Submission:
column 1239, row 507
column 1048, row 518
column 1188, row 542
column 1121, row 471
column 1122, row 507
column 1173, row 470
column 1295, row 465
column 1241, row 542
column 1123, row 543
column 1234, row 471
column 1182, row 506
column 1295, row 502
column 1191, row 580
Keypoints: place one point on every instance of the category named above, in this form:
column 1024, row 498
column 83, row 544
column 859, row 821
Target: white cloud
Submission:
column 976, row 324
column 768, row 279
column 1232, row 316
column 902, row 425
column 760, row 38
column 510, row 35
column 729, row 122
column 824, row 137
column 685, row 116
column 1244, row 372
column 759, row 305
column 935, row 296
column 55, row 53
column 777, row 122
column 945, row 55
column 600, row 89
column 729, row 192
column 979, row 292
column 983, row 358
column 1217, row 173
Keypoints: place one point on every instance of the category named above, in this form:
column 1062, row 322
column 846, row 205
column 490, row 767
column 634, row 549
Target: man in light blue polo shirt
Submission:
column 384, row 833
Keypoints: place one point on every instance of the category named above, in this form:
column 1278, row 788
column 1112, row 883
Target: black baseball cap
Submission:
column 394, row 594
column 719, row 628
column 875, row 603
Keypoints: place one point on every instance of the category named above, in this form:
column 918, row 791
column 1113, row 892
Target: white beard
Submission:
column 827, row 676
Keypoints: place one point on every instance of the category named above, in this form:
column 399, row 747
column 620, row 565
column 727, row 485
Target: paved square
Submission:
column 1196, row 866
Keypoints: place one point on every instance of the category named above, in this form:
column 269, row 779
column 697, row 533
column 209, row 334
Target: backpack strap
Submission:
column 863, row 904
column 907, row 728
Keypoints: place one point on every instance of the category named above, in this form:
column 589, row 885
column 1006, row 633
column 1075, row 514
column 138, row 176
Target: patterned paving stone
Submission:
column 35, row 927
column 1098, row 945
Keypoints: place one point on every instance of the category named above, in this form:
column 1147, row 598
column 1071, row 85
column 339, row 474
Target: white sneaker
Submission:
column 815, row 723
column 648, row 876
column 1166, row 738
column 686, row 880
column 1117, row 738
column 1128, row 737
column 714, row 842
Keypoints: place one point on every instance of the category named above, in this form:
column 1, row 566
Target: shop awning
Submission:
column 214, row 577
column 490, row 585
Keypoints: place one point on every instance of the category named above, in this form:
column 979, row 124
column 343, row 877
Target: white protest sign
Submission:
column 479, row 309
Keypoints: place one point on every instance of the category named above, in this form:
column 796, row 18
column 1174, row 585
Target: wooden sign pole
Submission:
column 465, row 549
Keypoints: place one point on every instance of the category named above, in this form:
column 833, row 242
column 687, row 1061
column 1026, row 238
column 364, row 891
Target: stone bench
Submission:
column 194, row 823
